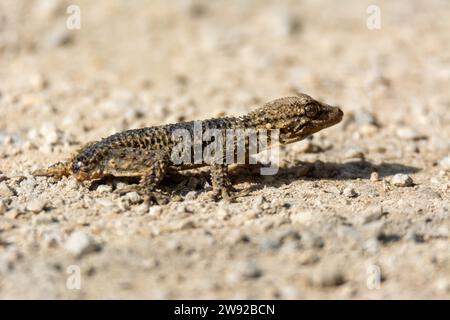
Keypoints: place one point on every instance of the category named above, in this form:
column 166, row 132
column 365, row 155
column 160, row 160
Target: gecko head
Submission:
column 296, row 117
column 83, row 169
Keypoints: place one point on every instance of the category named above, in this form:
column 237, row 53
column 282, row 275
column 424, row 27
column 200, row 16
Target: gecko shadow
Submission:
column 181, row 183
column 318, row 170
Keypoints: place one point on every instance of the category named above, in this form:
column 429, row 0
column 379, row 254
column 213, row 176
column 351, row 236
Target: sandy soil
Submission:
column 340, row 219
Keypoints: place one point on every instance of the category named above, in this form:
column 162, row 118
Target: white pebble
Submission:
column 37, row 82
column 222, row 213
column 402, row 180
column 104, row 188
column 374, row 176
column 133, row 197
column 155, row 211
column 371, row 245
column 365, row 118
column 57, row 37
column 50, row 134
column 142, row 208
column 350, row 192
column 81, row 243
column 445, row 163
column 406, row 133
column 36, row 205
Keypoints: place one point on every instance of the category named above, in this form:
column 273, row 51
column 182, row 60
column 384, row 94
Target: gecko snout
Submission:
column 340, row 113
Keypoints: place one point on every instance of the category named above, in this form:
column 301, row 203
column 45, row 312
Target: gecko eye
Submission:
column 312, row 110
column 76, row 166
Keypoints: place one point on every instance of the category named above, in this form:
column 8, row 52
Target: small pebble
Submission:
column 442, row 232
column 328, row 276
column 106, row 203
column 445, row 163
column 288, row 293
column 42, row 219
column 50, row 134
column 37, row 82
column 104, row 188
column 57, row 37
column 155, row 211
column 191, row 195
column 81, row 243
column 249, row 270
column 349, row 192
column 236, row 236
column 406, row 133
column 371, row 245
column 374, row 176
column 46, row 8
column 402, row 180
column 133, row 197
column 143, row 208
column 371, row 214
column 186, row 224
column 36, row 205
column 222, row 213
column 27, row 185
column 6, row 265
column 443, row 286
column 364, row 118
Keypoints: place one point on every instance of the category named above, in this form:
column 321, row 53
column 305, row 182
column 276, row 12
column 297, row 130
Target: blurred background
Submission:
column 207, row 57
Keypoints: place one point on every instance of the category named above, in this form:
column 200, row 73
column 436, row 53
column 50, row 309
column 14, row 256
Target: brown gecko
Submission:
column 148, row 152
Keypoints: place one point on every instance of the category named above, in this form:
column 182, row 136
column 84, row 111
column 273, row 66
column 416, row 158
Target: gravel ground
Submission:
column 359, row 211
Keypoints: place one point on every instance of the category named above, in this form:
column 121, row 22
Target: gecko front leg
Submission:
column 154, row 167
column 222, row 187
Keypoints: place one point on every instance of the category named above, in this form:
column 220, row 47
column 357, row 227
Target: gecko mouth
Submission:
column 301, row 130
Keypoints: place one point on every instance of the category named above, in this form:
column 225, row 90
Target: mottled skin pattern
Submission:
column 146, row 152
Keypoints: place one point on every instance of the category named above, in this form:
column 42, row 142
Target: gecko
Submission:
column 147, row 152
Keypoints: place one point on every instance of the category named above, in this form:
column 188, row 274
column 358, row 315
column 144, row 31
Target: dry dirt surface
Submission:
column 359, row 211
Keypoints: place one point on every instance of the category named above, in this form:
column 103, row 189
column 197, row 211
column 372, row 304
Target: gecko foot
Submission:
column 224, row 193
